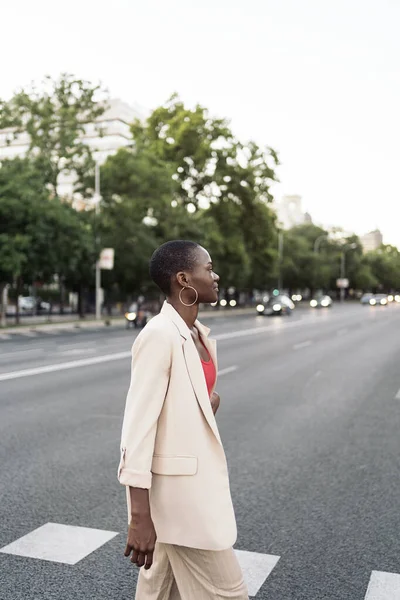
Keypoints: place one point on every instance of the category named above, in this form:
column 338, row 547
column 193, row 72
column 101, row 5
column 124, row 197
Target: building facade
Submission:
column 372, row 240
column 104, row 137
column 290, row 212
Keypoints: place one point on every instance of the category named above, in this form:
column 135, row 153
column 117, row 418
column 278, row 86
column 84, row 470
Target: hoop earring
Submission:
column 187, row 288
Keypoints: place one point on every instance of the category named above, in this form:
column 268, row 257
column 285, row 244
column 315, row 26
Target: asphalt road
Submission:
column 310, row 419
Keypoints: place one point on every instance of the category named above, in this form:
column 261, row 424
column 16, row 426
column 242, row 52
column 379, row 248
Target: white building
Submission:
column 372, row 240
column 113, row 124
column 290, row 212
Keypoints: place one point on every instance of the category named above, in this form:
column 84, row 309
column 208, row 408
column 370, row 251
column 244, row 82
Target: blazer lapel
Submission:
column 193, row 363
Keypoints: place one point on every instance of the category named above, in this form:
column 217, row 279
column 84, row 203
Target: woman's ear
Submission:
column 181, row 279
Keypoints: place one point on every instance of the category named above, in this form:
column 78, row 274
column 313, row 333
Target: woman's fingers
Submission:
column 128, row 550
column 141, row 559
column 134, row 557
column 149, row 560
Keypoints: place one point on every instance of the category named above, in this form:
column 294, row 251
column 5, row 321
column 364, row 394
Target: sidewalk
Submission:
column 76, row 323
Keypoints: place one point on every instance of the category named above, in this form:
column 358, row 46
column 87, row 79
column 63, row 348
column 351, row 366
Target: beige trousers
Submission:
column 180, row 573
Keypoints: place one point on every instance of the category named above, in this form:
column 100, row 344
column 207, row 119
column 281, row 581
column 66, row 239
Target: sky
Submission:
column 318, row 81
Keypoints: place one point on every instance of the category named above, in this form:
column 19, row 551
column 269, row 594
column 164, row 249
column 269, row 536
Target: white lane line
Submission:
column 59, row 543
column 4, row 336
column 302, row 345
column 256, row 568
column 227, row 370
column 383, row 586
column 21, row 353
column 120, row 355
column 73, row 364
column 397, row 396
column 76, row 351
column 257, row 330
column 26, row 333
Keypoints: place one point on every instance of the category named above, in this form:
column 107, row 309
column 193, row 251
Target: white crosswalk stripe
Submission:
column 383, row 586
column 69, row 544
column 59, row 543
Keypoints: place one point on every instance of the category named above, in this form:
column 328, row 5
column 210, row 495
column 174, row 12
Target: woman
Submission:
column 181, row 521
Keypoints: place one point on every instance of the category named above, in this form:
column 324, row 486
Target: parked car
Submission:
column 379, row 300
column 32, row 304
column 365, row 298
column 277, row 305
column 322, row 301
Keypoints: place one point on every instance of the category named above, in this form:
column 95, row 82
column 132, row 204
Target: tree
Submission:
column 39, row 235
column 225, row 181
column 55, row 117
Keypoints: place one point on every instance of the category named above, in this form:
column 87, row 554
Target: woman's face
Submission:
column 202, row 278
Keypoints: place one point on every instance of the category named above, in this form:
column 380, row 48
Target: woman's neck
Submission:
column 188, row 313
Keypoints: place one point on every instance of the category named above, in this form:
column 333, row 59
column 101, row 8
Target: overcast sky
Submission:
column 318, row 81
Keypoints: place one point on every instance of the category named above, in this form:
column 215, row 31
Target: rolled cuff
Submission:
column 135, row 479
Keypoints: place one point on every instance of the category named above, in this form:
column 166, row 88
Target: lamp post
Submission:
column 343, row 268
column 280, row 256
column 97, row 199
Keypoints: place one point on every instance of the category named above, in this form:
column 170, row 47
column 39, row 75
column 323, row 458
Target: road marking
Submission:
column 227, row 370
column 383, row 586
column 85, row 362
column 397, row 396
column 302, row 345
column 4, row 336
column 21, row 352
column 256, row 568
column 73, row 364
column 257, row 330
column 59, row 543
column 76, row 351
column 26, row 333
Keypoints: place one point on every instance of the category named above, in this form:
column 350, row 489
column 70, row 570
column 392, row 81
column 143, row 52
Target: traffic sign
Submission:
column 342, row 283
column 106, row 261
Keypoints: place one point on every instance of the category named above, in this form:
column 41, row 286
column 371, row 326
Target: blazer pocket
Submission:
column 174, row 465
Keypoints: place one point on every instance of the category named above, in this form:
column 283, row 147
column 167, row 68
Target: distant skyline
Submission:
column 316, row 81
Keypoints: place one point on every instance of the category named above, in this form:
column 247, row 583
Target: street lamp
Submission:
column 96, row 200
column 318, row 241
column 280, row 256
column 352, row 246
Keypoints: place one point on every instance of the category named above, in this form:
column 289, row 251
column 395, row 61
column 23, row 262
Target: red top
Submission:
column 209, row 372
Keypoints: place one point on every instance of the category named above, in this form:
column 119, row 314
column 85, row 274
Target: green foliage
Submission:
column 54, row 117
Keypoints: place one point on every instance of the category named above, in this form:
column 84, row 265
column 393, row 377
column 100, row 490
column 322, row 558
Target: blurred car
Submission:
column 278, row 305
column 137, row 316
column 32, row 304
column 379, row 300
column 322, row 301
column 365, row 298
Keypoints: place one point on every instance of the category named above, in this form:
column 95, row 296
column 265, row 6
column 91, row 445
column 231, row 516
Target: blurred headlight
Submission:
column 325, row 303
column 260, row 308
column 223, row 302
column 130, row 316
column 397, row 298
column 276, row 307
column 372, row 302
column 214, row 303
column 313, row 303
column 384, row 301
column 390, row 298
column 232, row 302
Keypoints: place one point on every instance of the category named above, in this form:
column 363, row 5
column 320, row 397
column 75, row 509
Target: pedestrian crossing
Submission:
column 69, row 545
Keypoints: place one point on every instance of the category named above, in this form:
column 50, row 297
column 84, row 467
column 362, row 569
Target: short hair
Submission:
column 169, row 259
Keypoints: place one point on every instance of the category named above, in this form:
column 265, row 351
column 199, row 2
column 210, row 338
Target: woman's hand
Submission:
column 215, row 400
column 141, row 540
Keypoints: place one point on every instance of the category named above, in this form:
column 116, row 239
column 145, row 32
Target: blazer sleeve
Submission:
column 151, row 363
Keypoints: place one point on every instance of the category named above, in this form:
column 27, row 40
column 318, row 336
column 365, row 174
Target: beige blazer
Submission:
column 170, row 440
